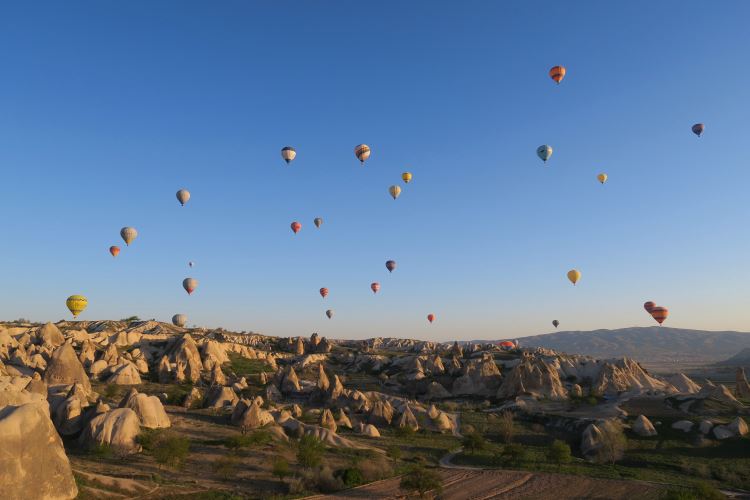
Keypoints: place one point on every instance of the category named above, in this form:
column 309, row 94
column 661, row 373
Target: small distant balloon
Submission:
column 183, row 195
column 659, row 314
column 362, row 153
column 329, row 313
column 191, row 263
column 375, row 287
column 557, row 73
column 114, row 250
column 430, row 317
column 288, row 153
column 574, row 275
column 698, row 129
column 76, row 304
column 324, row 292
column 128, row 234
column 179, row 320
column 318, row 222
column 395, row 191
column 296, row 226
column 190, row 284
column 390, row 265
column 555, row 323
column 406, row 177
column 544, row 152
column 602, row 178
column 649, row 306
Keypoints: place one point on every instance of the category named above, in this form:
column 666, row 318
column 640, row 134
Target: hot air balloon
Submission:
column 329, row 313
column 574, row 275
column 288, row 153
column 318, row 222
column 390, row 265
column 183, row 195
column 296, row 226
column 76, row 304
column 555, row 323
column 189, row 284
column 375, row 287
column 115, row 251
column 698, row 129
column 179, row 320
column 128, row 234
column 362, row 152
column 649, row 306
column 544, row 152
column 430, row 317
column 324, row 292
column 659, row 313
column 507, row 345
column 395, row 191
column 557, row 73
column 602, row 178
column 406, row 177
column 191, row 263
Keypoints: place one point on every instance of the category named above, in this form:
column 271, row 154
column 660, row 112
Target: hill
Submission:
column 647, row 344
column 742, row 358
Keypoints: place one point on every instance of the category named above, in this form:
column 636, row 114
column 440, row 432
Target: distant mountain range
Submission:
column 742, row 358
column 649, row 344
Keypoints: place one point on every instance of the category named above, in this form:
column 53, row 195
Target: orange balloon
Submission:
column 324, row 292
column 659, row 314
column 557, row 73
column 375, row 287
column 430, row 317
column 115, row 251
column 296, row 226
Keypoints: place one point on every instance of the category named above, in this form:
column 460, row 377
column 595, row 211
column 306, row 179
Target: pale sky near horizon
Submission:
column 108, row 108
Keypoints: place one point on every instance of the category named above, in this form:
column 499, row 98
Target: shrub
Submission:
column 351, row 476
column 613, row 442
column 404, row 432
column 310, row 451
column 101, row 451
column 280, row 468
column 325, row 482
column 505, row 426
column 374, row 469
column 420, row 480
column 474, row 442
column 511, row 455
column 166, row 447
column 559, row 453
column 393, row 452
column 111, row 391
column 225, row 467
column 257, row 438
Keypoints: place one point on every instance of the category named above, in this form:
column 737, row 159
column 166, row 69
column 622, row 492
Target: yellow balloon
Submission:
column 76, row 304
column 574, row 275
column 395, row 191
column 602, row 178
column 406, row 176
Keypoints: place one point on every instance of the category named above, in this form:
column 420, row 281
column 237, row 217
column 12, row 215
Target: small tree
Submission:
column 130, row 319
column 511, row 455
column 505, row 426
column 613, row 442
column 280, row 468
column 167, row 448
column 393, row 452
column 310, row 451
column 474, row 442
column 421, row 480
column 559, row 453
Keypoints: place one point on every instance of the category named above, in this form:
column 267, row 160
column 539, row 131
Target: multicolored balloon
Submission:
column 430, row 317
column 296, row 226
column 128, row 234
column 179, row 320
column 698, row 129
column 76, row 304
column 318, row 222
column 649, row 306
column 507, row 344
column 183, row 195
column 544, row 152
column 375, row 287
column 557, row 73
column 395, row 191
column 602, row 178
column 390, row 265
column 324, row 292
column 114, row 250
column 190, row 284
column 362, row 152
column 288, row 153
column 574, row 275
column 406, row 177
column 660, row 314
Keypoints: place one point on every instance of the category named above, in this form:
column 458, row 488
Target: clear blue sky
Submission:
column 108, row 108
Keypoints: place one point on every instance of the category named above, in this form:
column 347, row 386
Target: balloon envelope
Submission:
column 574, row 275
column 179, row 320
column 659, row 314
column 296, row 226
column 362, row 152
column 318, row 221
column 324, row 292
column 406, row 177
column 128, row 234
column 375, row 287
column 649, row 306
column 390, row 265
column 189, row 284
column 191, row 263
column 76, row 304
column 183, row 195
column 329, row 313
column 544, row 152
column 698, row 129
column 288, row 153
column 507, row 344
column 557, row 73
column 395, row 191
column 114, row 250
column 602, row 178
column 555, row 323
column 430, row 317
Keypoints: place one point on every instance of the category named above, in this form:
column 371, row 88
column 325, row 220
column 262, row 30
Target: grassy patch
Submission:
column 243, row 367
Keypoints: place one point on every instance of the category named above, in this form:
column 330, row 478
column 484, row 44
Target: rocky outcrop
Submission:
column 623, row 375
column 436, row 391
column 682, row 383
column 249, row 415
column 64, row 368
column 33, row 463
column 480, row 377
column 533, row 377
column 407, row 419
column 327, row 421
column 370, row 430
column 343, row 420
column 735, row 429
column 741, row 388
column 683, row 425
column 643, row 427
column 381, row 414
column 290, row 383
column 50, row 335
column 117, row 428
column 220, row 396
column 124, row 374
column 148, row 408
